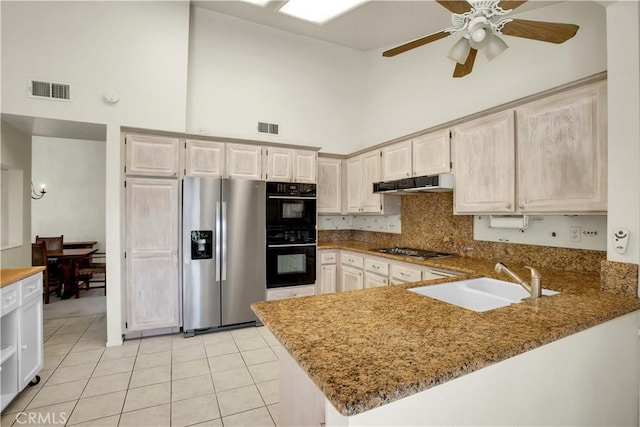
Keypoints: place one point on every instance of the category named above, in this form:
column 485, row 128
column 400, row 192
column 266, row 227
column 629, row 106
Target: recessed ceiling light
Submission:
column 319, row 11
column 257, row 2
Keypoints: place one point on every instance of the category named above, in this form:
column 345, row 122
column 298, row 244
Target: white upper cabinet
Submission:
column 562, row 152
column 431, row 153
column 371, row 202
column 484, row 165
column 279, row 164
column 148, row 155
column 353, row 185
column 396, row 161
column 329, row 185
column 244, row 161
column 304, row 166
column 204, row 158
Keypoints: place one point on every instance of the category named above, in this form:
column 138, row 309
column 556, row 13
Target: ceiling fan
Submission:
column 481, row 22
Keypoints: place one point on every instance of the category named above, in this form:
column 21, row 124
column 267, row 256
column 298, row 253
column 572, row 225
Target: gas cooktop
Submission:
column 416, row 253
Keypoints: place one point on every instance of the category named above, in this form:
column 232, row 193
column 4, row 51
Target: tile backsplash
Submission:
column 380, row 223
column 428, row 223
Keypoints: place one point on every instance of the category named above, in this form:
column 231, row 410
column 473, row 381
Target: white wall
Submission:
column 415, row 90
column 241, row 73
column 137, row 48
column 623, row 54
column 74, row 172
column 16, row 154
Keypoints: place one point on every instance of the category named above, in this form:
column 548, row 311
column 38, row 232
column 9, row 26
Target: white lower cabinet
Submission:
column 372, row 280
column 291, row 292
column 351, row 278
column 21, row 343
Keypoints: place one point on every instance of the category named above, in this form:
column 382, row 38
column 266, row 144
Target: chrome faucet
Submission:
column 535, row 289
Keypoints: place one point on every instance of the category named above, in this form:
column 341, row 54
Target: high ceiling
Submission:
column 374, row 25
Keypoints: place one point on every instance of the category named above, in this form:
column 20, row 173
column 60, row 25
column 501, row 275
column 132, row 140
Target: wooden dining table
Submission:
column 69, row 259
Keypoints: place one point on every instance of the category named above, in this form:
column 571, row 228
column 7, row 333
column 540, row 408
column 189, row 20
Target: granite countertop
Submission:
column 369, row 347
column 9, row 276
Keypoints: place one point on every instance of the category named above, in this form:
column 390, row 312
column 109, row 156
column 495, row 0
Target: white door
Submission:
column 372, row 280
column 328, row 277
column 30, row 346
column 151, row 244
column 371, row 202
column 350, row 278
column 396, row 161
column 304, row 166
column 353, row 185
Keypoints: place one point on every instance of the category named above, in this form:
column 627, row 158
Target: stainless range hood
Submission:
column 419, row 184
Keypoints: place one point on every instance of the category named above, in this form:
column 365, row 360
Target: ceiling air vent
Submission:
column 49, row 90
column 271, row 128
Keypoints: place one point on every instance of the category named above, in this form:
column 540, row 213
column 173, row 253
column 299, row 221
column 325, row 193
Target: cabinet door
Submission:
column 328, row 278
column 371, row 202
column 562, row 152
column 30, row 346
column 374, row 281
column 204, row 158
column 279, row 164
column 396, row 161
column 350, row 278
column 304, row 166
column 354, row 182
column 147, row 155
column 484, row 165
column 151, row 244
column 244, row 161
column 431, row 153
column 329, row 185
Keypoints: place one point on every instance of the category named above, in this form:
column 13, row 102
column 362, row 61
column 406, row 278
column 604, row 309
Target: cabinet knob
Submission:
column 24, row 347
column 508, row 205
column 521, row 206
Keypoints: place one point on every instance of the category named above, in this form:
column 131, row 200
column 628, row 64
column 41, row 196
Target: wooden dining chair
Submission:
column 93, row 271
column 52, row 279
column 54, row 244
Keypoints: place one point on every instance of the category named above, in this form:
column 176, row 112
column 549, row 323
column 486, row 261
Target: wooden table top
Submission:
column 71, row 253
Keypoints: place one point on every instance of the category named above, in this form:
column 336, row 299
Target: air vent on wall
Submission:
column 271, row 128
column 49, row 90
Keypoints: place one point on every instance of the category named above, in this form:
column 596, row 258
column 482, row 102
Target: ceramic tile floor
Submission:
column 228, row 378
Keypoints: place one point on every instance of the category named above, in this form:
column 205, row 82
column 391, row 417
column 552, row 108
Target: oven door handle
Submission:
column 294, row 245
column 292, row 197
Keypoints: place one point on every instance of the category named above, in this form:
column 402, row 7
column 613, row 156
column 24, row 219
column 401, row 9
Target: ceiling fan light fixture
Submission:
column 480, row 36
column 495, row 48
column 460, row 51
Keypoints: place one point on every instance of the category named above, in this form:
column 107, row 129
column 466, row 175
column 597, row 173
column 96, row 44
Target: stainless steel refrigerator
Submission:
column 224, row 239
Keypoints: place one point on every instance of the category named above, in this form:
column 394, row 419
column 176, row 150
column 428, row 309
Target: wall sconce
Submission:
column 38, row 195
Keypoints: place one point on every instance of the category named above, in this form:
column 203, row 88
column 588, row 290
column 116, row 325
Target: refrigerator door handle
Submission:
column 217, row 254
column 223, row 258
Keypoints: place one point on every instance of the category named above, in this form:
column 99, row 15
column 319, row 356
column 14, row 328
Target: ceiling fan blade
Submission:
column 416, row 43
column 466, row 68
column 508, row 4
column 455, row 6
column 551, row 32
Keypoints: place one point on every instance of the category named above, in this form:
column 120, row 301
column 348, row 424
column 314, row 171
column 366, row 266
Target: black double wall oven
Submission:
column 291, row 234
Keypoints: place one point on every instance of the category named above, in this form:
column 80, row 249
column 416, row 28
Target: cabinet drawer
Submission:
column 352, row 260
column 328, row 258
column 294, row 292
column 405, row 274
column 10, row 298
column 377, row 267
column 434, row 273
column 31, row 286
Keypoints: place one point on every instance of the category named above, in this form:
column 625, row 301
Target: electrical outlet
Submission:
column 575, row 234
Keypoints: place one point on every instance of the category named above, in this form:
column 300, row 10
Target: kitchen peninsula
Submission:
column 385, row 356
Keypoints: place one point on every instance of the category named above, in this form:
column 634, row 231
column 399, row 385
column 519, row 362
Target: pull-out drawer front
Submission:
column 328, row 258
column 9, row 298
column 405, row 273
column 376, row 266
column 298, row 291
column 31, row 286
column 351, row 259
column 436, row 273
